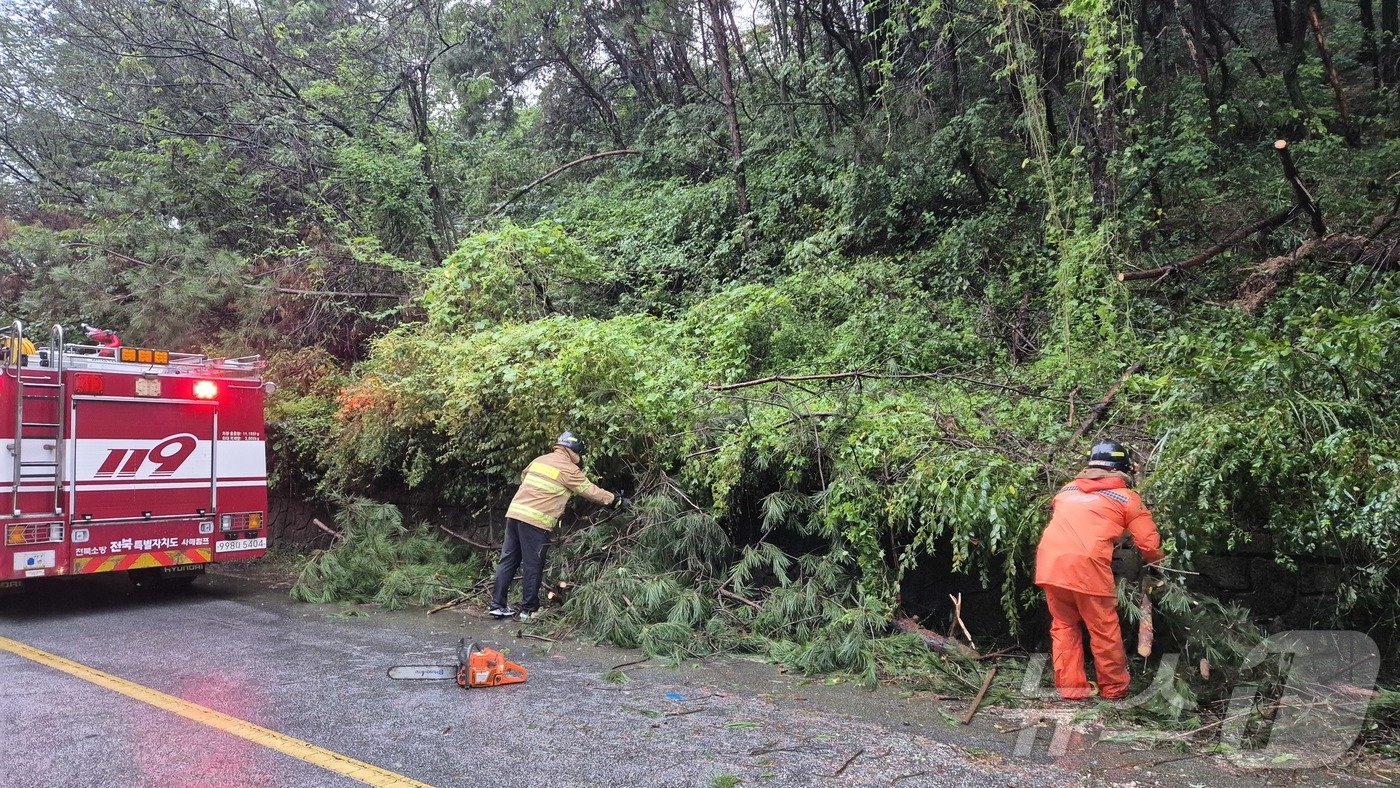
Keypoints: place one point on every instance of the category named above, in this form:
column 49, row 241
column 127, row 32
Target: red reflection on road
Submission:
column 170, row 750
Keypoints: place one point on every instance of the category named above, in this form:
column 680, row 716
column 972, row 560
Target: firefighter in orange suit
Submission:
column 546, row 486
column 1074, row 567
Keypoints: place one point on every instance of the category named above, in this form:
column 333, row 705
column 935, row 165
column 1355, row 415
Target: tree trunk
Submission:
column 1338, row 93
column 604, row 106
column 1368, row 55
column 1283, row 23
column 782, row 37
column 1212, row 32
column 1195, row 44
column 416, row 88
column 1239, row 42
column 954, row 69
column 1295, row 57
column 731, row 106
column 1390, row 49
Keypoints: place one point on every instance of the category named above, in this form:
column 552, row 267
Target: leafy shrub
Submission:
column 512, row 273
column 1288, row 440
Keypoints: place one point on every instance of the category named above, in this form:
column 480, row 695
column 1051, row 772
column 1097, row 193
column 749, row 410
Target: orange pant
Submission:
column 1099, row 614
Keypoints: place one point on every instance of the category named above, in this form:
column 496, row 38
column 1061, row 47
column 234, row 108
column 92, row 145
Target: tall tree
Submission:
column 718, row 11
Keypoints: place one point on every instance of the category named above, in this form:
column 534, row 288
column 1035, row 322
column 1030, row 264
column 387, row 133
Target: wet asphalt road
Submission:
column 317, row 673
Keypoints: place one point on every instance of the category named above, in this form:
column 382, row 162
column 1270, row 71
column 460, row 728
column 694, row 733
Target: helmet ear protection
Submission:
column 571, row 442
column 1111, row 455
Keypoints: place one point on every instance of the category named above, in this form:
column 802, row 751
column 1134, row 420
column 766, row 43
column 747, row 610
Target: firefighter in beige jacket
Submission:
column 546, row 486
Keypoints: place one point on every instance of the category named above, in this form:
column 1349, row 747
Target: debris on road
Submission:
column 981, row 693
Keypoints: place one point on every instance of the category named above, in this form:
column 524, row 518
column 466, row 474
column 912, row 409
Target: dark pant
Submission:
column 524, row 543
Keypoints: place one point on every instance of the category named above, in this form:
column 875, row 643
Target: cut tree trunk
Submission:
column 1300, row 192
column 1145, row 630
column 1269, row 276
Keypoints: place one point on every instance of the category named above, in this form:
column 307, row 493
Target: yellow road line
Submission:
column 366, row 773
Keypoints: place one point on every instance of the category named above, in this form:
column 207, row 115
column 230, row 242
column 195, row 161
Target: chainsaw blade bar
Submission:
column 423, row 672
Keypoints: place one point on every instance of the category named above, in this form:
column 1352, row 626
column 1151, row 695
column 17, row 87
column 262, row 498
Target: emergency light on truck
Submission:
column 88, row 383
column 206, row 389
column 143, row 356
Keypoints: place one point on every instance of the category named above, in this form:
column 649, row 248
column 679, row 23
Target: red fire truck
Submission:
column 127, row 459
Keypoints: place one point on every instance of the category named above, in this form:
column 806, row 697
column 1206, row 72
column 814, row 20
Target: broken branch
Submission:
column 554, row 173
column 1264, row 225
column 332, row 293
column 1145, row 631
column 1267, row 277
column 1104, row 404
column 981, row 693
column 864, row 375
column 737, row 598
column 338, row 535
column 469, row 541
column 957, row 618
column 443, row 607
column 935, row 641
column 848, row 762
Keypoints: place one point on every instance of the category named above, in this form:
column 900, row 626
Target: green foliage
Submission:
column 379, row 559
column 300, row 416
column 390, row 200
column 514, row 273
column 1283, row 438
column 462, row 414
column 130, row 277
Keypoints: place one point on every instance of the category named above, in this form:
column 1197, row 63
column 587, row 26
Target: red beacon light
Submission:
column 206, row 389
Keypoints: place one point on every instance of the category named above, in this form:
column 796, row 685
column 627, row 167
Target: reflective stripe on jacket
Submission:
column 1091, row 514
column 546, row 486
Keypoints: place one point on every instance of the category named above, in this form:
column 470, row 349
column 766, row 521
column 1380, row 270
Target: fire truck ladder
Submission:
column 30, row 389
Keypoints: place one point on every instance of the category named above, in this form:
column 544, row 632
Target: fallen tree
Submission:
column 935, row 641
column 1264, row 281
column 1264, row 225
column 1303, row 202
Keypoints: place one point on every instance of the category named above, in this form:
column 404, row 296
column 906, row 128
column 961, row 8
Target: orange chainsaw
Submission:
column 477, row 666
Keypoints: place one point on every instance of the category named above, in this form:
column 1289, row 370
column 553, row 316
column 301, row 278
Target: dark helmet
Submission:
column 1111, row 455
column 571, row 442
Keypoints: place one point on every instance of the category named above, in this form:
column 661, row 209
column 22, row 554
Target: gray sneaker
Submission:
column 501, row 612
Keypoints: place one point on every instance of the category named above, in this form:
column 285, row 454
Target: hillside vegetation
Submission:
column 847, row 288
